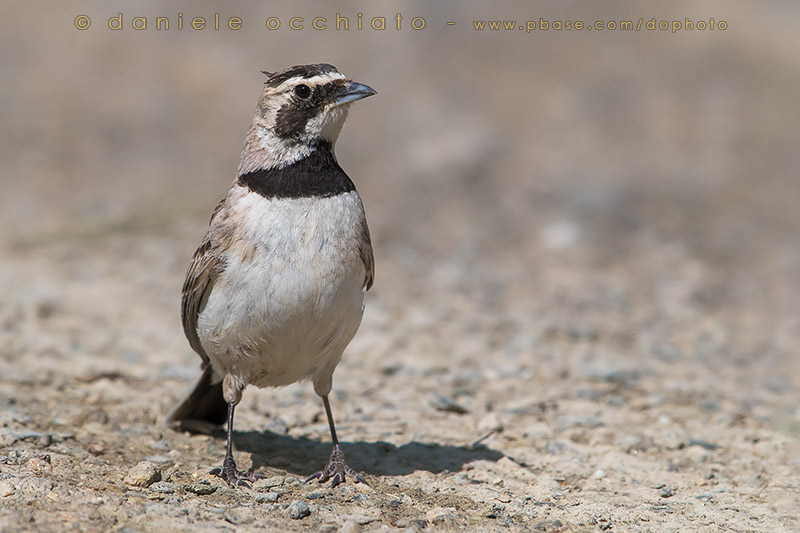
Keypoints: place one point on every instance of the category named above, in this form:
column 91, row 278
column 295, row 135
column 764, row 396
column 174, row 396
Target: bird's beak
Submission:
column 353, row 91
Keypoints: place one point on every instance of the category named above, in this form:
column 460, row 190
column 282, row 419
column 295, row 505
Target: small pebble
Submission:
column 163, row 487
column 440, row 516
column 442, row 403
column 9, row 437
column 268, row 483
column 315, row 495
column 667, row 492
column 298, row 510
column 202, row 488
column 599, row 474
column 39, row 464
column 96, row 449
column 6, row 489
column 143, row 475
column 268, row 497
column 239, row 516
column 704, row 444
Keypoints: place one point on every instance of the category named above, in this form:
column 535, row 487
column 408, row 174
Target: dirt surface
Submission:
column 585, row 310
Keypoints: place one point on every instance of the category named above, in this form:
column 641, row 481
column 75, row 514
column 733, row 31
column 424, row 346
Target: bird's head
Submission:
column 300, row 108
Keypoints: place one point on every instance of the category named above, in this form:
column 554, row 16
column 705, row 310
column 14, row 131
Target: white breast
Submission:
column 291, row 296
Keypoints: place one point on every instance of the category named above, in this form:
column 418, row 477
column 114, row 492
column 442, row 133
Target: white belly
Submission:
column 288, row 302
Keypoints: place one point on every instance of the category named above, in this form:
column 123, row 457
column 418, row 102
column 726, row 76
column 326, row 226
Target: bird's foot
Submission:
column 337, row 470
column 234, row 477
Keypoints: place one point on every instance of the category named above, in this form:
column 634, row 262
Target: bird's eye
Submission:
column 302, row 91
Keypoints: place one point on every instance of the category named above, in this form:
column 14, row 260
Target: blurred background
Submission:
column 586, row 249
column 555, row 200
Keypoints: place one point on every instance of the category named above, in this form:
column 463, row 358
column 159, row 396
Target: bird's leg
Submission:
column 228, row 472
column 337, row 469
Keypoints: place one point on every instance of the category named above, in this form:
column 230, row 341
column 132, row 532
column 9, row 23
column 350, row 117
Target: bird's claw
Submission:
column 337, row 471
column 235, row 478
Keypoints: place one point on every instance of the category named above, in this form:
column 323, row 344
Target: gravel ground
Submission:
column 585, row 310
column 473, row 396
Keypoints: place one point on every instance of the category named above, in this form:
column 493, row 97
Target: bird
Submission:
column 275, row 291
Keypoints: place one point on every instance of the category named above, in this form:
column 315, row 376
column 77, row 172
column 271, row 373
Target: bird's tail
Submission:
column 204, row 410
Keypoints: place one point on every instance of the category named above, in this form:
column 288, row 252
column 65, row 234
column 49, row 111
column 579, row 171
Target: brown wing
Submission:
column 365, row 249
column 206, row 265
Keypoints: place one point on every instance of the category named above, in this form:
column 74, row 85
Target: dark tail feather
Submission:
column 204, row 410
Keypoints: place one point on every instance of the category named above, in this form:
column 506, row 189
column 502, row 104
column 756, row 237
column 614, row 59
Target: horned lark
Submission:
column 275, row 292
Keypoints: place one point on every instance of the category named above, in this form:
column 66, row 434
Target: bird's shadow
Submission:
column 304, row 456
